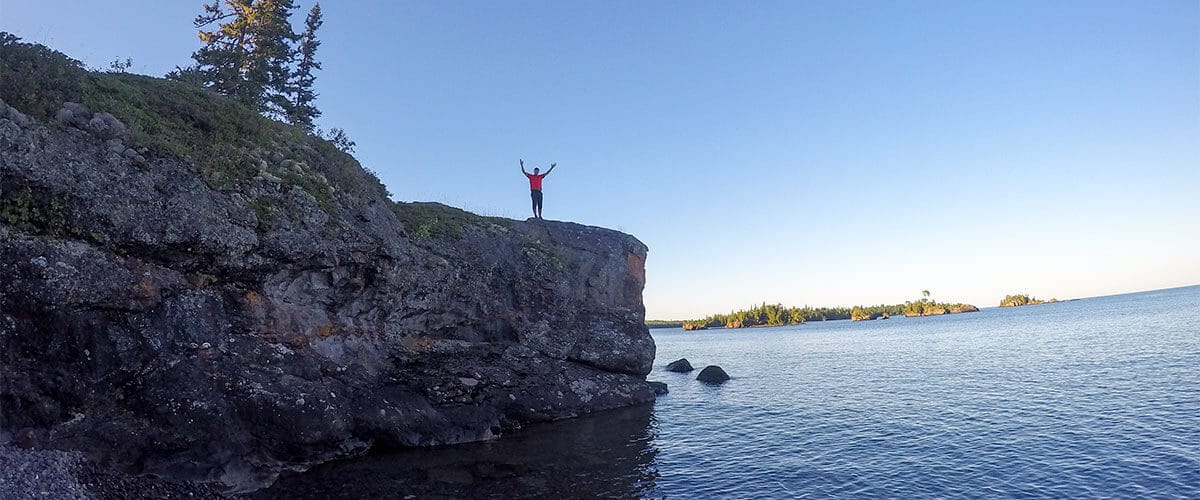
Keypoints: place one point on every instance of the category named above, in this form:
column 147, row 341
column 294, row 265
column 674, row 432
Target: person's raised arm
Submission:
column 552, row 165
column 523, row 167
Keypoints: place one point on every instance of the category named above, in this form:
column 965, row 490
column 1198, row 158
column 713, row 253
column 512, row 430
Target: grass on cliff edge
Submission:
column 425, row 220
column 220, row 135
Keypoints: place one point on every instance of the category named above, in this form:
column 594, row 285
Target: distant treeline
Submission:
column 769, row 315
column 1021, row 299
column 664, row 323
column 777, row 315
column 860, row 313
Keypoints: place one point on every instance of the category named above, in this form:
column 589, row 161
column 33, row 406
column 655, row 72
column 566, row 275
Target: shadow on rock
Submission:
column 610, row 454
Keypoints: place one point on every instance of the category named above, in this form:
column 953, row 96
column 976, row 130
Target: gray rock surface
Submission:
column 162, row 325
column 660, row 388
column 17, row 117
column 39, row 474
column 680, row 366
column 73, row 114
column 54, row 474
column 712, row 374
column 106, row 126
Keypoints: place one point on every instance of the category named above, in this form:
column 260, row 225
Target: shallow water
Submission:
column 1096, row 397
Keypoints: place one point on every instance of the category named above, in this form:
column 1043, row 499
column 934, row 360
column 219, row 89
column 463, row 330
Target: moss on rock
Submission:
column 424, row 220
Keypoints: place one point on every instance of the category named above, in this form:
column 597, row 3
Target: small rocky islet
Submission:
column 1021, row 299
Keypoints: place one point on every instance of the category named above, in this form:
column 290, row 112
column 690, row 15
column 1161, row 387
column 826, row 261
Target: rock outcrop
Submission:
column 680, row 366
column 712, row 374
column 225, row 318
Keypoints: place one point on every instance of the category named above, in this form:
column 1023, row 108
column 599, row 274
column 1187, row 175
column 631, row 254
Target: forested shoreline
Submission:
column 778, row 315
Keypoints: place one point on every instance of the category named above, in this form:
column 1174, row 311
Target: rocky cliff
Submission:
column 195, row 292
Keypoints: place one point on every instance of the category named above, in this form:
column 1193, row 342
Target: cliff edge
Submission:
column 196, row 292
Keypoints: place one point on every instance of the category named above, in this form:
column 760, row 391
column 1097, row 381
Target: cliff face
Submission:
column 226, row 323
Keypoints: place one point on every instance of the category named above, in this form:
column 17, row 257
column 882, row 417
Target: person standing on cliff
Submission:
column 535, row 187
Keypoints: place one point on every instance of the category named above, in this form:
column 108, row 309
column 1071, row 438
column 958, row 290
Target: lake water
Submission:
column 1091, row 398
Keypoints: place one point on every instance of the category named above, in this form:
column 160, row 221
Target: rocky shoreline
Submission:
column 197, row 293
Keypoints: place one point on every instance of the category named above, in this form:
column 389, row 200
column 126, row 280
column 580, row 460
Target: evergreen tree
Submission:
column 272, row 54
column 220, row 61
column 246, row 51
column 301, row 111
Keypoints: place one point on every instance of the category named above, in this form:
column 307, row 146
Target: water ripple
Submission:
column 1099, row 397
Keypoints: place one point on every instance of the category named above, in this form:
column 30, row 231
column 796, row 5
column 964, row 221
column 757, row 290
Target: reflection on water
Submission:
column 610, row 454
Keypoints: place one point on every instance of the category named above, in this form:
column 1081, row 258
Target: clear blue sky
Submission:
column 818, row 153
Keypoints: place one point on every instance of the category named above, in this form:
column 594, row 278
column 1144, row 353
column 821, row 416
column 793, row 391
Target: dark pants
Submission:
column 536, row 194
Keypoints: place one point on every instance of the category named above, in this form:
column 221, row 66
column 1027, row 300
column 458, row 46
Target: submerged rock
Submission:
column 712, row 374
column 659, row 388
column 680, row 366
column 202, row 324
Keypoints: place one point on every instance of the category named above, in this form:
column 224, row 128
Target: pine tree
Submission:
column 220, row 61
column 246, row 56
column 301, row 111
column 271, row 54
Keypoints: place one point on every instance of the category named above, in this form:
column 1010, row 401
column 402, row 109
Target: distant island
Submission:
column 921, row 307
column 1021, row 299
column 778, row 315
column 930, row 308
column 664, row 323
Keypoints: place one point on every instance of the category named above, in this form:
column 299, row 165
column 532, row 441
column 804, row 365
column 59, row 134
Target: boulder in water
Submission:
column 680, row 366
column 712, row 374
column 660, row 388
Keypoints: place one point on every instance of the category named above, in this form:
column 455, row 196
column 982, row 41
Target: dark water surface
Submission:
column 1091, row 398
